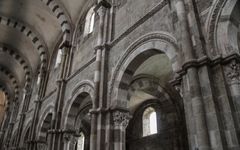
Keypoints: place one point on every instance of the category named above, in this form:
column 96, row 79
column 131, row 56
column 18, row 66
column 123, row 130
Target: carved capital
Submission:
column 69, row 135
column 233, row 71
column 121, row 118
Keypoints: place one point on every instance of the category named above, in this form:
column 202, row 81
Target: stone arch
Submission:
column 8, row 92
column 13, row 136
column 21, row 60
column 227, row 30
column 45, row 125
column 143, row 82
column 25, row 134
column 219, row 8
column 3, row 89
column 46, row 113
column 34, row 36
column 81, row 91
column 62, row 17
column 13, row 79
column 143, row 48
column 169, row 111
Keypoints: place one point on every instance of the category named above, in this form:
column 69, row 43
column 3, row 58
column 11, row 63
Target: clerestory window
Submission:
column 89, row 22
column 58, row 59
column 80, row 142
column 149, row 121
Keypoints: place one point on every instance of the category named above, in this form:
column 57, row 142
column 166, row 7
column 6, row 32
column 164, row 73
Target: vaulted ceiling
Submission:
column 29, row 32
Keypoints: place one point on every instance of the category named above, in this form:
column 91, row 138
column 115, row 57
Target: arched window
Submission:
column 38, row 79
column 89, row 22
column 149, row 119
column 91, row 25
column 58, row 59
column 80, row 142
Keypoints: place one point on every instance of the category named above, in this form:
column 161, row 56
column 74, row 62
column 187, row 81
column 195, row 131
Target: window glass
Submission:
column 91, row 26
column 80, row 142
column 58, row 59
column 149, row 121
column 89, row 22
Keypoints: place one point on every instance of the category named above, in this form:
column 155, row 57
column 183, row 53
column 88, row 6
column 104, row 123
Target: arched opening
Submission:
column 78, row 121
column 149, row 121
column 3, row 102
column 235, row 19
column 89, row 21
column 92, row 21
column 43, row 138
column 58, row 59
column 26, row 139
column 80, row 142
column 156, row 107
column 228, row 29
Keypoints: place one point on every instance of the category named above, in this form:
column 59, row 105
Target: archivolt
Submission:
column 4, row 90
column 148, row 84
column 213, row 19
column 161, row 41
column 13, row 79
column 22, row 61
column 34, row 36
column 62, row 18
column 83, row 87
column 46, row 112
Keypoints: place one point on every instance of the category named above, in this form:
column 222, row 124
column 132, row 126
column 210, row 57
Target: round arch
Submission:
column 48, row 111
column 13, row 138
column 227, row 30
column 222, row 36
column 25, row 133
column 145, row 47
column 83, row 90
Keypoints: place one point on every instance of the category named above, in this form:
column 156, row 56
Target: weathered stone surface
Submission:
column 97, row 70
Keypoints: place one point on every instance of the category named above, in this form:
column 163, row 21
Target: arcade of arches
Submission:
column 120, row 75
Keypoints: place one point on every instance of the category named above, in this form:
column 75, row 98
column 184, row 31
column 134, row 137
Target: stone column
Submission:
column 26, row 100
column 32, row 141
column 38, row 102
column 70, row 140
column 98, row 115
column 232, row 73
column 120, row 121
column 93, row 136
column 191, row 82
column 233, row 79
column 56, row 133
column 11, row 124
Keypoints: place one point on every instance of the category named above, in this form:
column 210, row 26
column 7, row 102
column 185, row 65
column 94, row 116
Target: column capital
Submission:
column 233, row 71
column 121, row 118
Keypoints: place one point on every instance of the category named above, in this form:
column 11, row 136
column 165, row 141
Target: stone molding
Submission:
column 212, row 23
column 62, row 16
column 162, row 36
column 33, row 35
column 195, row 63
column 5, row 91
column 20, row 59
